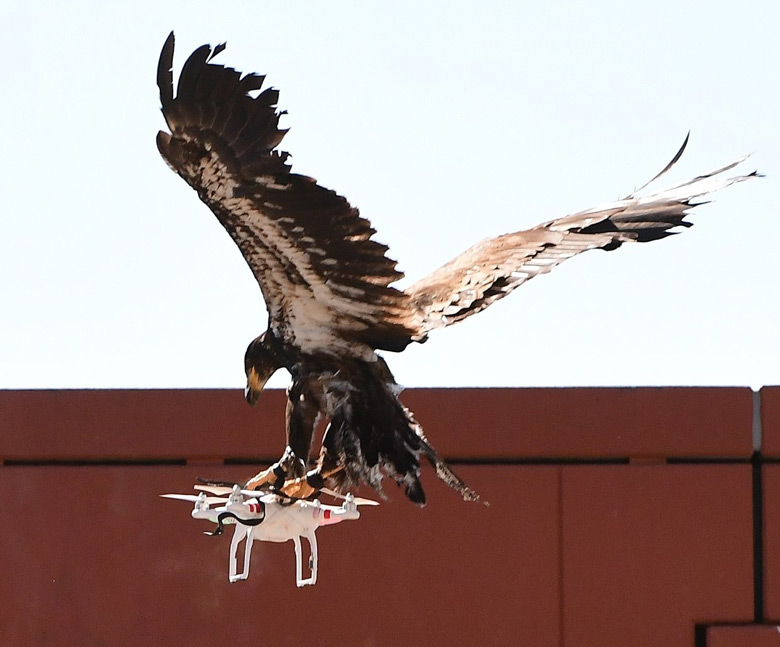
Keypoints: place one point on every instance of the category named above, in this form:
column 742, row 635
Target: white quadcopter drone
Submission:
column 269, row 517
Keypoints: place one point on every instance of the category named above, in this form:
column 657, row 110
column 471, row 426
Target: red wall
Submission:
column 617, row 517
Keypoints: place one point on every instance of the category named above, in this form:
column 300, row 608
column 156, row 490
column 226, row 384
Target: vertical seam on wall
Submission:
column 561, row 587
column 758, row 429
column 758, row 512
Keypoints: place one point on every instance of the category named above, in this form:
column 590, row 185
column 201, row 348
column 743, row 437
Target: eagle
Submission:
column 328, row 284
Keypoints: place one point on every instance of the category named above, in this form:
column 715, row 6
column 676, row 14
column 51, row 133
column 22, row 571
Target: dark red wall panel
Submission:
column 139, row 424
column 744, row 636
column 649, row 551
column 566, row 554
column 461, row 423
column 586, row 423
column 771, row 474
column 770, row 419
column 92, row 556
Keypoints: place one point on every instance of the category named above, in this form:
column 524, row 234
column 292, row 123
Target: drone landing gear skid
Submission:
column 241, row 532
column 244, row 533
column 312, row 579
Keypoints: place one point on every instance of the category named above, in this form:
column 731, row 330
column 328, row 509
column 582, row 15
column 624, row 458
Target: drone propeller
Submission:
column 222, row 490
column 344, row 497
column 252, row 494
column 228, row 484
column 214, row 489
column 192, row 498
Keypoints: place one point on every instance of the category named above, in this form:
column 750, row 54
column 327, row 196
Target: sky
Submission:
column 444, row 123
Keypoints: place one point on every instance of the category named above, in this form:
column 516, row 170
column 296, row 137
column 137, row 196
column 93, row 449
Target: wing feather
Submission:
column 324, row 279
column 494, row 267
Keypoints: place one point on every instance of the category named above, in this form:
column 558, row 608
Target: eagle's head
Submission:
column 260, row 363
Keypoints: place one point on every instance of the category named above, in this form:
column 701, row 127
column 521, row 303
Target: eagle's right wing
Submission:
column 491, row 269
column 325, row 280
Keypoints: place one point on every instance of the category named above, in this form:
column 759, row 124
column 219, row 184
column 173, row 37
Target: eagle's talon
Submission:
column 266, row 477
column 298, row 488
column 276, row 476
column 291, row 464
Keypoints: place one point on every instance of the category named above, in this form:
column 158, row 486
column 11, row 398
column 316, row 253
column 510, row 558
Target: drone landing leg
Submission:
column 241, row 532
column 313, row 556
column 299, row 579
column 247, row 552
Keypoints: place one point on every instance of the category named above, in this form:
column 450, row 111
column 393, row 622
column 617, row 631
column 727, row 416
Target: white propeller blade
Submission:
column 357, row 500
column 223, row 489
column 192, row 498
column 214, row 489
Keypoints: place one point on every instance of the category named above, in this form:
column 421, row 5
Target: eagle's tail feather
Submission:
column 445, row 473
column 372, row 435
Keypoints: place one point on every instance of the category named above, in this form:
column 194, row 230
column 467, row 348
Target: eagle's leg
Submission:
column 300, row 419
column 303, row 410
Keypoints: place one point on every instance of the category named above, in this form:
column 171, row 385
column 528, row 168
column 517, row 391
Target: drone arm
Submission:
column 330, row 515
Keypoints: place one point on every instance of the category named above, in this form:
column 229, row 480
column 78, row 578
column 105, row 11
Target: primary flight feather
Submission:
column 328, row 284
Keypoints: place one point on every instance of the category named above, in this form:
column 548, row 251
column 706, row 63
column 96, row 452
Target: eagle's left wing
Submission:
column 494, row 267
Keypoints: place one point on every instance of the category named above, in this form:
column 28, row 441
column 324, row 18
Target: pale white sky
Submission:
column 444, row 122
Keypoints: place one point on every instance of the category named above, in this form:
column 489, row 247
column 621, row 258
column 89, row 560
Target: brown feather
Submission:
column 222, row 143
column 493, row 268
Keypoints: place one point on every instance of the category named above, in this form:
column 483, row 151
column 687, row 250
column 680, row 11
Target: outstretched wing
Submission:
column 494, row 267
column 326, row 283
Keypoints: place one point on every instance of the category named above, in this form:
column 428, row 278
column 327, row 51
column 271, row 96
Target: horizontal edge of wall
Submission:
column 470, row 424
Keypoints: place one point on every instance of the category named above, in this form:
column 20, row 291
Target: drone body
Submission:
column 269, row 517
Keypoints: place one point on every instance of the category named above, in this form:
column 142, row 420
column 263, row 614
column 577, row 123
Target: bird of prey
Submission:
column 328, row 284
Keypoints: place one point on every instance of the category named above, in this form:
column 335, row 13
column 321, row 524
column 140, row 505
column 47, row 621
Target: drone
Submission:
column 269, row 516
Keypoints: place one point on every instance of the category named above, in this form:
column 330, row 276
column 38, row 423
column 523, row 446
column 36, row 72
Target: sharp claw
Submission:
column 298, row 488
column 262, row 478
column 276, row 475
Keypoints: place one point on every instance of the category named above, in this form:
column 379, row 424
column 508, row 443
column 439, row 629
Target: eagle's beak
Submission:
column 254, row 385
